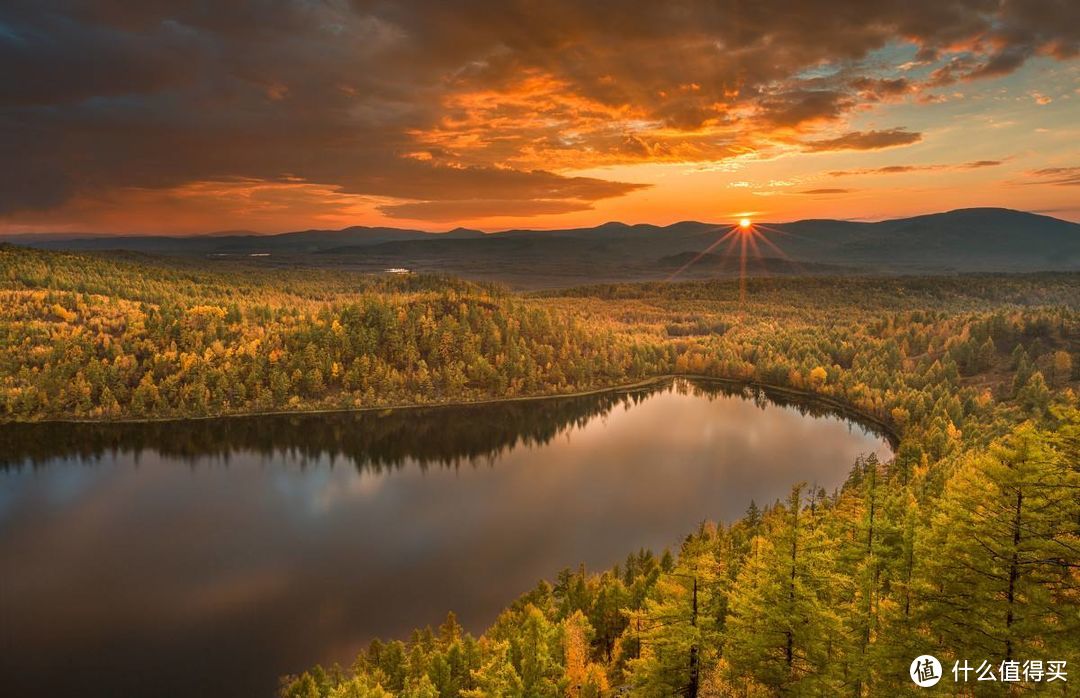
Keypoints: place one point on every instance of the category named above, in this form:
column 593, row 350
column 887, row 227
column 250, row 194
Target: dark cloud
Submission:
column 882, row 88
column 902, row 169
column 513, row 194
column 956, row 69
column 478, row 101
column 891, row 169
column 795, row 108
column 1061, row 176
column 865, row 140
column 417, row 180
column 440, row 211
column 1002, row 62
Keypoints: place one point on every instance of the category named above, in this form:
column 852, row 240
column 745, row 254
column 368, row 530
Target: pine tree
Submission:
column 1034, row 397
column 1003, row 552
column 420, row 688
column 358, row 687
column 534, row 649
column 679, row 626
column 606, row 615
column 304, row 686
column 780, row 628
column 496, row 678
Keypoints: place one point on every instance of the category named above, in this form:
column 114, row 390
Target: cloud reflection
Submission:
column 250, row 559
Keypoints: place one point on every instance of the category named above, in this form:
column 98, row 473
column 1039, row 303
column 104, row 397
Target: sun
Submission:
column 744, row 223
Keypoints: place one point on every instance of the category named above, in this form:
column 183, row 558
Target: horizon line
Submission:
column 4, row 234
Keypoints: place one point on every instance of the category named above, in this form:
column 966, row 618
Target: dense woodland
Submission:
column 965, row 545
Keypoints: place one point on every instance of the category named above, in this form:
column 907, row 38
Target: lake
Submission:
column 206, row 558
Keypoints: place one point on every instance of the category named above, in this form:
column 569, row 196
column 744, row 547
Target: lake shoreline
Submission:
column 347, row 527
column 844, row 408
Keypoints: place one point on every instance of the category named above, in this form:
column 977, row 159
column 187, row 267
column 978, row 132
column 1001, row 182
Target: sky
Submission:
column 170, row 116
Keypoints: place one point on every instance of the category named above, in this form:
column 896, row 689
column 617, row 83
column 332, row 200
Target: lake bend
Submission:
column 210, row 557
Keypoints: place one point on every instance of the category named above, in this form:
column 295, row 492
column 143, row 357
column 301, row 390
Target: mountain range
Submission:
column 963, row 240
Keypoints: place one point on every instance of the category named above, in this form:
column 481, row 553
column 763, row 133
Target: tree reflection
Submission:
column 375, row 441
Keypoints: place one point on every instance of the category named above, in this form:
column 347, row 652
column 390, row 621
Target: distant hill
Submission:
column 973, row 239
column 964, row 240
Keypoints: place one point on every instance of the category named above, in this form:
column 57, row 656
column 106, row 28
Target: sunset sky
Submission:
column 170, row 116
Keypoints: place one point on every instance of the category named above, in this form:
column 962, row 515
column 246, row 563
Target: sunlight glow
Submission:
column 744, row 245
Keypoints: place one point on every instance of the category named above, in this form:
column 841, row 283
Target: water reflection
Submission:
column 207, row 558
column 446, row 436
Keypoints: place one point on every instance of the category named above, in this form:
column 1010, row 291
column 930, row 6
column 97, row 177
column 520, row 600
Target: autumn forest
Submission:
column 964, row 544
column 518, row 349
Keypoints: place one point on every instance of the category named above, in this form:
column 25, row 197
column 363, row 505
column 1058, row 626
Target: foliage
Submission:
column 964, row 545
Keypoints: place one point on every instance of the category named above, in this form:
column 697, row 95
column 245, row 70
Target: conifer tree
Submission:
column 535, row 650
column 1001, row 559
column 679, row 626
column 496, row 678
column 780, row 628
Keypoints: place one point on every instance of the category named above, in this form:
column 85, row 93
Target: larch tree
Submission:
column 496, row 678
column 1001, row 577
column 781, row 629
column 679, row 627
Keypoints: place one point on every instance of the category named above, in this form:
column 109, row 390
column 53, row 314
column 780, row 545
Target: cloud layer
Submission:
column 443, row 111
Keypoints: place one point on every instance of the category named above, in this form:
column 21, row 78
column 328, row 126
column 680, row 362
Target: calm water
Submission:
column 207, row 558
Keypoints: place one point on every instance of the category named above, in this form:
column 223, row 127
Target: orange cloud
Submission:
column 436, row 109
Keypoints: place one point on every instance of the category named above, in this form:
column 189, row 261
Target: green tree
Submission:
column 535, row 652
column 420, row 688
column 1035, row 395
column 1000, row 577
column 780, row 628
column 496, row 678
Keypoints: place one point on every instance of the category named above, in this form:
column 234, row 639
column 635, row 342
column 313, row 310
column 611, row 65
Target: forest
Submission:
column 966, row 545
